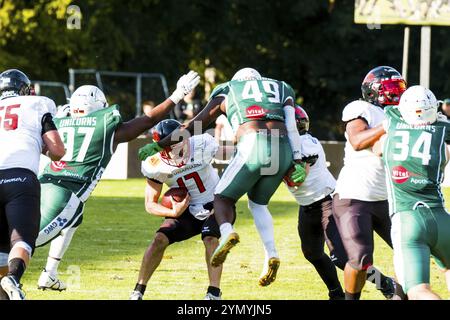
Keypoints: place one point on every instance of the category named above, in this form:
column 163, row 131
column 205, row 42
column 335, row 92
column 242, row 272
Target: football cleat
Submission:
column 225, row 245
column 12, row 288
column 135, row 295
column 48, row 282
column 269, row 273
column 210, row 296
column 391, row 290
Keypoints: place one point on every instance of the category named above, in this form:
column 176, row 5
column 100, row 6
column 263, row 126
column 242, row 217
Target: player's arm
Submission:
column 53, row 145
column 210, row 113
column 360, row 136
column 378, row 146
column 132, row 129
column 152, row 194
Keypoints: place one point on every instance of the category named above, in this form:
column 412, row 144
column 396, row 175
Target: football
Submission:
column 287, row 178
column 178, row 194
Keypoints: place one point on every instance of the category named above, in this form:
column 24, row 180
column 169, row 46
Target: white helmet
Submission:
column 418, row 106
column 63, row 111
column 87, row 99
column 247, row 74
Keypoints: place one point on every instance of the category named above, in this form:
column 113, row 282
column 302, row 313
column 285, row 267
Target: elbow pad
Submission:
column 47, row 123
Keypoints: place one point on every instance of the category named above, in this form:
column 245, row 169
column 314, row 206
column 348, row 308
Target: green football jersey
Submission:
column 89, row 147
column 415, row 159
column 252, row 100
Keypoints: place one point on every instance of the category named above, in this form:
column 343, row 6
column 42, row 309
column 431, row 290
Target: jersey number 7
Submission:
column 197, row 179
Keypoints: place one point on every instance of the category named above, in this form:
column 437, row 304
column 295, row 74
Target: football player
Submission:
column 91, row 135
column 188, row 165
column 316, row 224
column 26, row 130
column 415, row 155
column 360, row 203
column 261, row 112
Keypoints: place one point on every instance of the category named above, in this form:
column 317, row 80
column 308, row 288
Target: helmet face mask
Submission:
column 383, row 86
column 14, row 82
column 302, row 120
column 87, row 99
column 418, row 106
column 176, row 155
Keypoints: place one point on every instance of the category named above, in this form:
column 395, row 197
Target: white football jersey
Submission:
column 320, row 182
column 21, row 131
column 363, row 176
column 197, row 175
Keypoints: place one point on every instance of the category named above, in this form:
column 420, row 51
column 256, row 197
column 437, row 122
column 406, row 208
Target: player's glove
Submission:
column 149, row 150
column 185, row 84
column 299, row 173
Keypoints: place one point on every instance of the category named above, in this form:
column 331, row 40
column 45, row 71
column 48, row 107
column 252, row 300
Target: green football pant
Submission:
column 260, row 163
column 416, row 235
column 60, row 209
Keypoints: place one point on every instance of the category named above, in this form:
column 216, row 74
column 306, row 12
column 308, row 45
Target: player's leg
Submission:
column 316, row 226
column 61, row 214
column 210, row 236
column 354, row 223
column 264, row 224
column 274, row 161
column 4, row 250
column 412, row 254
column 58, row 247
column 22, row 216
column 441, row 246
column 382, row 225
column 171, row 231
column 239, row 177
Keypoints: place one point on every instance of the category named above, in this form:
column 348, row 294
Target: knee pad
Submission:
column 362, row 264
column 23, row 245
column 3, row 259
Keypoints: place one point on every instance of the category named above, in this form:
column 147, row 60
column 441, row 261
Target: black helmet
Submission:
column 176, row 154
column 15, row 82
column 383, row 86
column 164, row 128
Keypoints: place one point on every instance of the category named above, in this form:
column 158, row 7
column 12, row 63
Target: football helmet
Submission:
column 87, row 99
column 177, row 154
column 302, row 120
column 14, row 82
column 383, row 86
column 247, row 74
column 418, row 106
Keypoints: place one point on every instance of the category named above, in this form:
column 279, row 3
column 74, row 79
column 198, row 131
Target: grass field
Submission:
column 104, row 258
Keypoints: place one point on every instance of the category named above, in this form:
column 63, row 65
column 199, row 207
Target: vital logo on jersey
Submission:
column 255, row 112
column 401, row 175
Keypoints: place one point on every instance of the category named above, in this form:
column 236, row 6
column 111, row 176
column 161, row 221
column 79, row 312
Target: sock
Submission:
column 58, row 247
column 336, row 294
column 352, row 296
column 214, row 291
column 16, row 268
column 140, row 288
column 225, row 229
column 264, row 225
column 327, row 271
column 3, row 294
column 52, row 266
